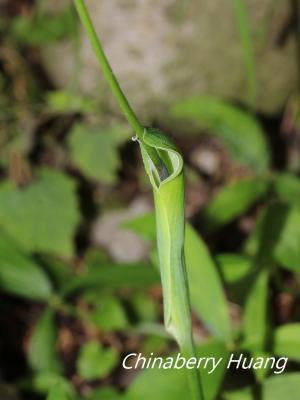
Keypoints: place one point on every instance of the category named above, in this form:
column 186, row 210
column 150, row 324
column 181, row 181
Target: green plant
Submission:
column 164, row 166
column 248, row 52
column 71, row 310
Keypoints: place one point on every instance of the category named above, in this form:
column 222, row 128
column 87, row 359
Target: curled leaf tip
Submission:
column 162, row 159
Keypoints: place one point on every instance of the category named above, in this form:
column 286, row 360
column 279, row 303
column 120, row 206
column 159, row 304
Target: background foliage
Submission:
column 79, row 278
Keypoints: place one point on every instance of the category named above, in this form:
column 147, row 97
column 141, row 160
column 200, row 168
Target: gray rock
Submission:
column 166, row 50
column 122, row 244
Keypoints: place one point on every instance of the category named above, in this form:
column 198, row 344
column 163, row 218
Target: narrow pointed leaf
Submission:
column 240, row 132
column 232, row 201
column 42, row 355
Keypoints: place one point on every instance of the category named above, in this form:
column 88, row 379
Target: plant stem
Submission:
column 173, row 241
column 107, row 70
column 248, row 52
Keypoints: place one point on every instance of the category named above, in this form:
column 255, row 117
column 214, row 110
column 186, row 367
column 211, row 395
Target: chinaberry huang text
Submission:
column 210, row 364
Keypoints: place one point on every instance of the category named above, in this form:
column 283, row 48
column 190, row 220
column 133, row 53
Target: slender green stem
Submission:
column 107, row 70
column 248, row 52
column 112, row 80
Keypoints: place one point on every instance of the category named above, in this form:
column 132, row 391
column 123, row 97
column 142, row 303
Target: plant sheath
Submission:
column 164, row 166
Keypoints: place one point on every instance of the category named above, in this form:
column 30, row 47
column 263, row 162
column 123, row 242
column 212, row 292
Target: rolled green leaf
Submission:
column 164, row 166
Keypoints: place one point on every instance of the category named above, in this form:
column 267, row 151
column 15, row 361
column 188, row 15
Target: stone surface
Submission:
column 122, row 244
column 166, row 50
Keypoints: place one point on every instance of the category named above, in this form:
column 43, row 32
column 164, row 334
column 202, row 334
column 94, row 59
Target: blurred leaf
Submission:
column 207, row 295
column 261, row 373
column 172, row 383
column 287, row 187
column 95, row 362
column 145, row 308
column 114, row 276
column 59, row 271
column 96, row 258
column 105, row 393
column 282, row 230
column 233, row 267
column 58, row 392
column 255, row 313
column 143, row 225
column 41, row 354
column 66, row 101
column 238, row 130
column 242, row 394
column 287, row 251
column 20, row 275
column 108, row 313
column 43, row 216
column 43, row 382
column 44, row 28
column 154, row 344
column 287, row 341
column 232, row 201
column 95, row 151
column 286, row 386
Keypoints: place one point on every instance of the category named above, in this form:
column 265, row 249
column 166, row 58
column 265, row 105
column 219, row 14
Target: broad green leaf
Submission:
column 43, row 216
column 96, row 362
column 287, row 341
column 233, row 267
column 95, row 151
column 41, row 354
column 232, row 201
column 43, row 382
column 238, row 130
column 255, row 313
column 20, row 275
column 58, row 392
column 287, row 187
column 172, row 383
column 108, row 313
column 281, row 387
column 207, row 295
column 113, row 276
